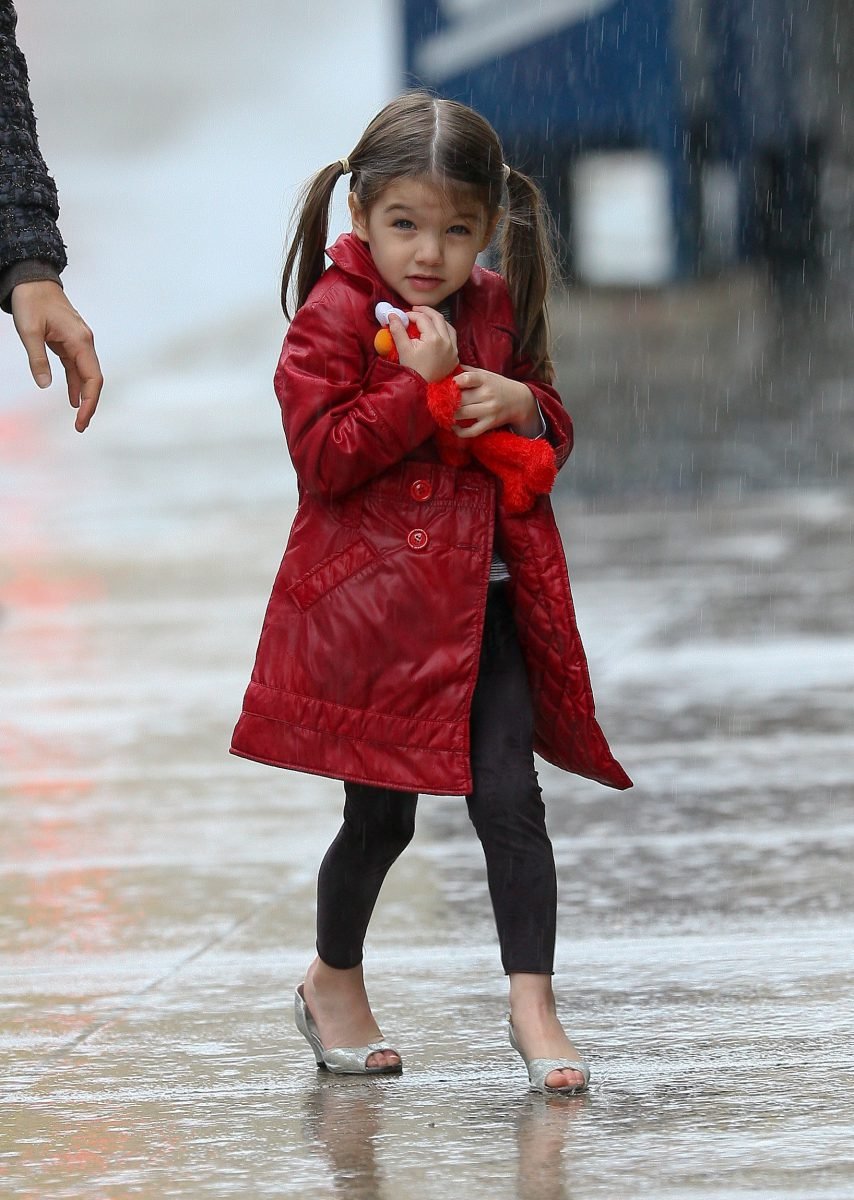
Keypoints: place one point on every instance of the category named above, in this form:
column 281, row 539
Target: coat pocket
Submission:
column 331, row 572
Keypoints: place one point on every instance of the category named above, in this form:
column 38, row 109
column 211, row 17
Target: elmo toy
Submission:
column 525, row 467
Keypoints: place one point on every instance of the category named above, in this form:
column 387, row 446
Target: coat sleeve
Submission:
column 28, row 200
column 558, row 421
column 348, row 414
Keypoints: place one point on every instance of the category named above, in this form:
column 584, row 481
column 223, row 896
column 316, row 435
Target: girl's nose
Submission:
column 429, row 250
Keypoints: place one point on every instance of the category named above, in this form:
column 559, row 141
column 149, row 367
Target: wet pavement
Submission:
column 156, row 895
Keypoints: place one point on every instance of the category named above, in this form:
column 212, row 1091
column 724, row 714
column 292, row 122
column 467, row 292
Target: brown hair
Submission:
column 416, row 136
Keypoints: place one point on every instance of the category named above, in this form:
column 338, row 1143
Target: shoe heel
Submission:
column 342, row 1060
column 303, row 1022
column 512, row 1037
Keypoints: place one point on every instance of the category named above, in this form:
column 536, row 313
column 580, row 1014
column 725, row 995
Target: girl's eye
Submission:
column 403, row 223
column 460, row 230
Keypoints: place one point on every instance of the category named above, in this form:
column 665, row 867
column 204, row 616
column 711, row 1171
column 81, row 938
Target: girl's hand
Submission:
column 433, row 355
column 492, row 401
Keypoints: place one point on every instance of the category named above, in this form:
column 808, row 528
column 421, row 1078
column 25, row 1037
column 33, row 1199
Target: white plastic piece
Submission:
column 384, row 310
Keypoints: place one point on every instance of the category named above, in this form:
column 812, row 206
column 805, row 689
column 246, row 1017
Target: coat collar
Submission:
column 352, row 256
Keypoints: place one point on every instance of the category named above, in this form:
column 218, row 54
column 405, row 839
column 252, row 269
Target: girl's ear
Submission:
column 490, row 229
column 358, row 217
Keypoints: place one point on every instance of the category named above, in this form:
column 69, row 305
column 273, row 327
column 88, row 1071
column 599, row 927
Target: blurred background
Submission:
column 673, row 138
column 699, row 162
column 156, row 896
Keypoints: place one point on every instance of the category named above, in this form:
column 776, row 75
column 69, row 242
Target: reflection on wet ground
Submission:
column 157, row 895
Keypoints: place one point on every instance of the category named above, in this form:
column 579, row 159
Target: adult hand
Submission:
column 489, row 401
column 45, row 320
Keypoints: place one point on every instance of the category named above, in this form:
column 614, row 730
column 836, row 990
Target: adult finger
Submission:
column 73, row 383
column 89, row 382
column 34, row 344
column 86, row 411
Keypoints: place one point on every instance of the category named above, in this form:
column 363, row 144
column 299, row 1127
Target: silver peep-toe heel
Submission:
column 342, row 1060
column 540, row 1068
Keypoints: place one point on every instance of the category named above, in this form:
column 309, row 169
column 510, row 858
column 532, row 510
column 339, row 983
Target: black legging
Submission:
column 506, row 809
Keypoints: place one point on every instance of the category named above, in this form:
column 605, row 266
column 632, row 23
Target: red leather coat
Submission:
column 369, row 651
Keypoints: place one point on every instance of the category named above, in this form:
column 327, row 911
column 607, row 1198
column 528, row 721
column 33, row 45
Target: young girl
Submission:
column 419, row 637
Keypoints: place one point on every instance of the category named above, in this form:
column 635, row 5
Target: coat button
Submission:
column 422, row 489
column 418, row 539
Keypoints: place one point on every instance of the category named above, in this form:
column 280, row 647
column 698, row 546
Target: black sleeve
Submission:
column 28, row 200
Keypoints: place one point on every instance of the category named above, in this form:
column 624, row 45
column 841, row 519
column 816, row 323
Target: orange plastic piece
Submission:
column 383, row 343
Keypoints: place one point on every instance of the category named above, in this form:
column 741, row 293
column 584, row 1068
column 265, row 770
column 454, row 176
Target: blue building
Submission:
column 693, row 84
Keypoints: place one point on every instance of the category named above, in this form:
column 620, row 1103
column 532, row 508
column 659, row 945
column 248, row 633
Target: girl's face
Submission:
column 423, row 240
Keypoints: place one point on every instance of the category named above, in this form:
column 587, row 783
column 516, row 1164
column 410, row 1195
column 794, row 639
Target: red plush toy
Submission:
column 525, row 467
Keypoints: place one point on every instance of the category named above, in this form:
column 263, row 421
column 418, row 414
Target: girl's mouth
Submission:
column 424, row 283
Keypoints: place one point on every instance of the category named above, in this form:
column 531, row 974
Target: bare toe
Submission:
column 565, row 1078
column 383, row 1059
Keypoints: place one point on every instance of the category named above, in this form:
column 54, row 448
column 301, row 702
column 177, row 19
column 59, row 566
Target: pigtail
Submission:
column 305, row 259
column 528, row 266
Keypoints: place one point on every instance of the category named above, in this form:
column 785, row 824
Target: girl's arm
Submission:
column 557, row 419
column 490, row 401
column 515, row 398
column 348, row 414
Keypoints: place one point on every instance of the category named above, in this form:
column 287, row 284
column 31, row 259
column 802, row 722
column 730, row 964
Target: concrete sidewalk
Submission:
column 157, row 895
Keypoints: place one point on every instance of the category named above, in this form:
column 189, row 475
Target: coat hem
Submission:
column 350, row 777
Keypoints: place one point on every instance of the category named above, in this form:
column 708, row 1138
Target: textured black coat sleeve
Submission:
column 28, row 200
